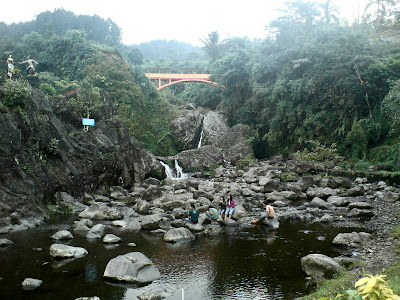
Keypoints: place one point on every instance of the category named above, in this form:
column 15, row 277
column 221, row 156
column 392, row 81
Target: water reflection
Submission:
column 254, row 264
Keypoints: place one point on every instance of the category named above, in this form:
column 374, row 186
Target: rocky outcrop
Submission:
column 186, row 129
column 132, row 267
column 204, row 158
column 214, row 127
column 43, row 150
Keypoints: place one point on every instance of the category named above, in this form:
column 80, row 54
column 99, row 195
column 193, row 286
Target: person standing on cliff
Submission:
column 29, row 65
column 10, row 66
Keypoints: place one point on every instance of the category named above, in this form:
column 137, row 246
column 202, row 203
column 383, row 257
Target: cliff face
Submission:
column 44, row 150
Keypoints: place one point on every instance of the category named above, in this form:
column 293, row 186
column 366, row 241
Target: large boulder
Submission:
column 186, row 129
column 96, row 232
column 65, row 251
column 319, row 266
column 132, row 267
column 214, row 127
column 111, row 239
column 100, row 211
column 204, row 158
column 352, row 239
column 178, row 234
column 152, row 222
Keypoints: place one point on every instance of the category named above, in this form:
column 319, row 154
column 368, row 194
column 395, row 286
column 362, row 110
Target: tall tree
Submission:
column 214, row 45
column 380, row 9
column 330, row 12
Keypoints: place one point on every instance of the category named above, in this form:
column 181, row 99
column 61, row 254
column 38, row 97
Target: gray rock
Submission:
column 213, row 230
column 131, row 244
column 152, row 222
column 62, row 235
column 118, row 192
column 88, row 298
column 154, row 294
column 119, row 223
column 30, row 284
column 229, row 222
column 353, row 239
column 326, row 218
column 318, row 202
column 240, row 212
column 83, row 225
column 338, row 201
column 142, row 207
column 100, row 211
column 360, row 205
column 356, row 191
column 194, row 227
column 5, row 242
column 356, row 212
column 273, row 223
column 319, row 266
column 272, row 185
column 111, row 239
column 320, row 192
column 65, row 251
column 299, row 167
column 132, row 267
column 178, row 234
column 151, row 181
column 96, row 232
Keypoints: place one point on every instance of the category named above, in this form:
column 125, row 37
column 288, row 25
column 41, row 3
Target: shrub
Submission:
column 319, row 153
column 48, row 89
column 16, row 92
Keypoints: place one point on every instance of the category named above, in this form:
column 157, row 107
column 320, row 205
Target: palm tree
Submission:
column 330, row 12
column 213, row 45
column 380, row 6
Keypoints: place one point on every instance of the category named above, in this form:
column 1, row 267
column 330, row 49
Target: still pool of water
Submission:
column 250, row 264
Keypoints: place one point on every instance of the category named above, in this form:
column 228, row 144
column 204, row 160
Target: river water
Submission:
column 251, row 264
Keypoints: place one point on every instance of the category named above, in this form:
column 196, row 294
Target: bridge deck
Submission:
column 177, row 76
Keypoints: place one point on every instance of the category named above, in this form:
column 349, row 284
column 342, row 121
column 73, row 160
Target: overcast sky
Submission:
column 182, row 20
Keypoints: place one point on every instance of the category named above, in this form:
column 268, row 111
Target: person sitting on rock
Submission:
column 230, row 207
column 212, row 213
column 193, row 215
column 269, row 213
column 222, row 206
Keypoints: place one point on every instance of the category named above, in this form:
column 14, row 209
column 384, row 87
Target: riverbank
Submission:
column 381, row 256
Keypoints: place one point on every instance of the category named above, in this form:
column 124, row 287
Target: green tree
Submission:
column 391, row 106
column 213, row 45
column 380, row 10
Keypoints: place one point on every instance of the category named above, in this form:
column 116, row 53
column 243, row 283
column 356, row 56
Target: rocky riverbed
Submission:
column 296, row 189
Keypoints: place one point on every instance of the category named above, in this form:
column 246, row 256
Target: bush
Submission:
column 319, row 153
column 48, row 89
column 16, row 92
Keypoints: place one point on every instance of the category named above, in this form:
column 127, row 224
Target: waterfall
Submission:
column 178, row 174
column 179, row 171
column 201, row 137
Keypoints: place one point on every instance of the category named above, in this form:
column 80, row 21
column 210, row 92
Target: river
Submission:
column 241, row 264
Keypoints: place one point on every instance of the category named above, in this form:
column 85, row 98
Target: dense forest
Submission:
column 315, row 79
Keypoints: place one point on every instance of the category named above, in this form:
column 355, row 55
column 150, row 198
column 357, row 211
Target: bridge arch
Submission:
column 175, row 78
column 187, row 80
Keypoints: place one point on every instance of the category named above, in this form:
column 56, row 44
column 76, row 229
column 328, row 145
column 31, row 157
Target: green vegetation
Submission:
column 332, row 287
column 16, row 92
column 314, row 78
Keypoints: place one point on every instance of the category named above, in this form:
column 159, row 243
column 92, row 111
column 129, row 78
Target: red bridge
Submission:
column 175, row 78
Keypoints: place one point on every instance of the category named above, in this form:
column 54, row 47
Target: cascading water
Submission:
column 177, row 174
column 201, row 138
